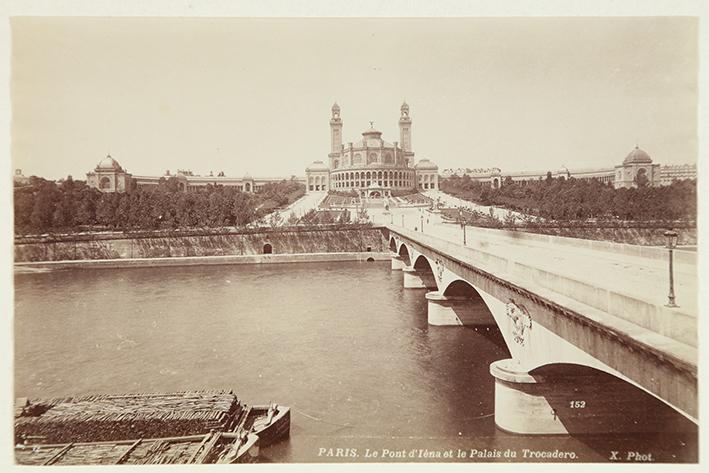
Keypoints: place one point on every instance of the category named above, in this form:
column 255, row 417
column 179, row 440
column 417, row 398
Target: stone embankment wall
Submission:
column 368, row 239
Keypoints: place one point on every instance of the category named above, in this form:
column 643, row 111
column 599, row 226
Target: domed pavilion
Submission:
column 637, row 167
column 109, row 176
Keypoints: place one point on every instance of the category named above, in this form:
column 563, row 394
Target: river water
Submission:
column 343, row 344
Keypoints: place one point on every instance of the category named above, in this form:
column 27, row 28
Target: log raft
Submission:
column 208, row 426
column 119, row 417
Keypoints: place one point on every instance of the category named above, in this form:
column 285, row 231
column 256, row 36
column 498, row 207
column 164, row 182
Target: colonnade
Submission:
column 362, row 179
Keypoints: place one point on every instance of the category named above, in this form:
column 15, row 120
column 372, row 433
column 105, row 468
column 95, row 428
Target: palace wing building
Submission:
column 637, row 166
column 109, row 176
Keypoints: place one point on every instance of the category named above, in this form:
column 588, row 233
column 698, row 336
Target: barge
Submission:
column 214, row 447
column 181, row 427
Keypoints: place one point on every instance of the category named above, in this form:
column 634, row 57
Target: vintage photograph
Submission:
column 354, row 240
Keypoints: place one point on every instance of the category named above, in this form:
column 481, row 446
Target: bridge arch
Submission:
column 420, row 274
column 580, row 392
column 392, row 244
column 427, row 271
column 463, row 293
column 404, row 254
column 461, row 288
column 423, row 264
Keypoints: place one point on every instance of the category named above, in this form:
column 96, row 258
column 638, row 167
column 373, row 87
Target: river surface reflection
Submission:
column 343, row 344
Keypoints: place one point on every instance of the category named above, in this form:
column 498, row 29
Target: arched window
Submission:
column 104, row 183
column 267, row 249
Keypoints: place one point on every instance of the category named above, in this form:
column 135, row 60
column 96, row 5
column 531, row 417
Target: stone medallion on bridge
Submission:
column 521, row 322
column 439, row 269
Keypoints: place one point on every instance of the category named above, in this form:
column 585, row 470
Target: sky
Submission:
column 254, row 95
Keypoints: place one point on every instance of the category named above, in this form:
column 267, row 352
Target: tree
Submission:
column 216, row 210
column 23, row 206
column 275, row 220
column 60, row 216
column 243, row 210
column 326, row 217
column 43, row 208
column 344, row 217
column 123, row 212
column 310, row 216
column 292, row 219
column 362, row 216
column 106, row 210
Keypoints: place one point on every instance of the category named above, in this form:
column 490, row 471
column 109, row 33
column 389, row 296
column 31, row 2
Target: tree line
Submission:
column 45, row 206
column 580, row 199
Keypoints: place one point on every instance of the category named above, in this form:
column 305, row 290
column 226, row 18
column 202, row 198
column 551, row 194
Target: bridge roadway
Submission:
column 644, row 277
column 620, row 288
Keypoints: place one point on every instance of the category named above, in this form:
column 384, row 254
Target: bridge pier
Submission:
column 573, row 399
column 520, row 404
column 418, row 279
column 397, row 263
column 456, row 310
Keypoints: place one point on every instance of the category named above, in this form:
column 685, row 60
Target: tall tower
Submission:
column 335, row 133
column 405, row 133
column 405, row 128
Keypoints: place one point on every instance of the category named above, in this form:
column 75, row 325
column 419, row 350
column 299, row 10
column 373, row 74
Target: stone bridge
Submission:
column 583, row 358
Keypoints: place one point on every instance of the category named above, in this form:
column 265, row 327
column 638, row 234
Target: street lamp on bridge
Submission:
column 671, row 237
column 461, row 220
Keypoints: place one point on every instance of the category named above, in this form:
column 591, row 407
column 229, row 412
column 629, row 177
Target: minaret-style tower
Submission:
column 405, row 133
column 335, row 134
column 405, row 128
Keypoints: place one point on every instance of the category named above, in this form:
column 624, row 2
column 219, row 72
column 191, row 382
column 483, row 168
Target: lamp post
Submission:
column 461, row 219
column 421, row 222
column 402, row 220
column 671, row 245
